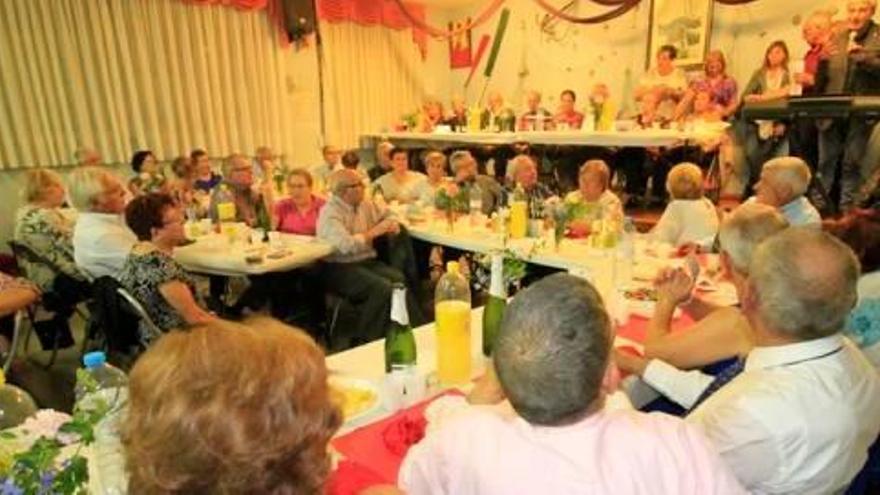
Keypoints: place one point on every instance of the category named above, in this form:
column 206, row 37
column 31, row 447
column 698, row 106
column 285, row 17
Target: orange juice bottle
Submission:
column 519, row 213
column 453, row 321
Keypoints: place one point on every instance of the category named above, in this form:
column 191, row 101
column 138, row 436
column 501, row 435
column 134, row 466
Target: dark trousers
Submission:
column 844, row 143
column 366, row 285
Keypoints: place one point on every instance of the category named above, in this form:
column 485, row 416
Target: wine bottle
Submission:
column 400, row 344
column 493, row 313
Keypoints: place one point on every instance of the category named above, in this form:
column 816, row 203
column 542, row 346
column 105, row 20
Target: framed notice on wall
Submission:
column 684, row 24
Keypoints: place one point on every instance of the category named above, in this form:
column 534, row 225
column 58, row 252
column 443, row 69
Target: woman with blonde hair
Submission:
column 230, row 408
column 43, row 226
column 689, row 218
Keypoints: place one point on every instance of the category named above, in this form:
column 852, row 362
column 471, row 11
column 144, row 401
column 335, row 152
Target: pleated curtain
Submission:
column 120, row 75
column 373, row 75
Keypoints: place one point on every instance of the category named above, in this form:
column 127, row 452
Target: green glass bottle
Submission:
column 493, row 313
column 400, row 344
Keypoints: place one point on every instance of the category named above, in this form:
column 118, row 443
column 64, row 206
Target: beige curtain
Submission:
column 121, row 75
column 372, row 76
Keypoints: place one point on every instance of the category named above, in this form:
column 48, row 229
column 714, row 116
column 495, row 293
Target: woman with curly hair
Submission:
column 230, row 408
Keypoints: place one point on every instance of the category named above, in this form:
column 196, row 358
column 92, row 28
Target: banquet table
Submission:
column 215, row 254
column 639, row 138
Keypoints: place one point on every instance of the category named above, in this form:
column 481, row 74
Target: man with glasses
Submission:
column 351, row 223
column 251, row 207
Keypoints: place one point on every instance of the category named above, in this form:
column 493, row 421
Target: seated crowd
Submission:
column 779, row 393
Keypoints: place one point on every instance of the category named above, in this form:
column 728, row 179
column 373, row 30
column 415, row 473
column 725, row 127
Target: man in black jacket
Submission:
column 852, row 66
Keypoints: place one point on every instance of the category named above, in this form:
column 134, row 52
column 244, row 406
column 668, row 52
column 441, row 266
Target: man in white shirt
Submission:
column 800, row 416
column 101, row 239
column 552, row 363
column 783, row 185
column 321, row 173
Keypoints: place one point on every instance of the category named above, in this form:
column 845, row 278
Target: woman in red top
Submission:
column 298, row 214
column 568, row 116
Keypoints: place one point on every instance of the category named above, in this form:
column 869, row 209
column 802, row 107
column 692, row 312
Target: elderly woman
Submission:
column 43, row 226
column 151, row 275
column 597, row 201
column 435, row 166
column 182, row 189
column 148, row 177
column 721, row 88
column 431, row 114
column 783, row 184
column 690, row 218
column 249, row 401
column 401, row 184
column 101, row 240
column 298, row 214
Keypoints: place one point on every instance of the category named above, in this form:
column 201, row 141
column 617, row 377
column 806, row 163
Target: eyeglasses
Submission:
column 351, row 186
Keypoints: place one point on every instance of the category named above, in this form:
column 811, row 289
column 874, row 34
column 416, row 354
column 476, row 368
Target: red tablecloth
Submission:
column 374, row 452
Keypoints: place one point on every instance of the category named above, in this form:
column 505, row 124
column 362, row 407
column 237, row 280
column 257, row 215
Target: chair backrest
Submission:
column 135, row 307
column 112, row 317
column 22, row 251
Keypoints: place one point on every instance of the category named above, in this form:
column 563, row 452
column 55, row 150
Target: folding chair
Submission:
column 21, row 327
column 135, row 307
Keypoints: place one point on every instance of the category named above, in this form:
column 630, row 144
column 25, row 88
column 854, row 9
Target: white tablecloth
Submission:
column 215, row 255
column 635, row 138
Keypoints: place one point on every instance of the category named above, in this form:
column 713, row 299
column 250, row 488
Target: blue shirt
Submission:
column 800, row 213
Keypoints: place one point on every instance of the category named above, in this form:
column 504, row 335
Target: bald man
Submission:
column 536, row 117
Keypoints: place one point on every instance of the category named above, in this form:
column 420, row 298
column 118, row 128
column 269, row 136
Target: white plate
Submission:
column 344, row 384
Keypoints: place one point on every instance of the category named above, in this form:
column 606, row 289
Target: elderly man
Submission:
column 496, row 116
column 383, row 161
column 804, row 137
column 853, row 68
column 351, row 224
column 464, row 168
column 87, row 157
column 524, row 172
column 251, row 207
column 556, row 435
column 800, row 412
column 720, row 332
column 321, row 173
column 536, row 117
column 782, row 185
column 101, row 239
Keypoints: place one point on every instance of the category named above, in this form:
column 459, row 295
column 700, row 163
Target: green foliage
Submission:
column 37, row 470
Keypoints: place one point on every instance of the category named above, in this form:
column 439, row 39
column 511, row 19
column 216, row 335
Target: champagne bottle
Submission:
column 400, row 344
column 493, row 313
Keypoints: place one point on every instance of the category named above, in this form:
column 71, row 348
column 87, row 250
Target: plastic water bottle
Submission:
column 626, row 254
column 475, row 197
column 112, row 387
column 16, row 405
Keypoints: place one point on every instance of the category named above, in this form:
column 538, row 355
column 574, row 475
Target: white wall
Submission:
column 615, row 52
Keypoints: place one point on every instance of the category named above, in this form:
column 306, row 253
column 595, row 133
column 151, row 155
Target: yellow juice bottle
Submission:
column 453, row 324
column 519, row 213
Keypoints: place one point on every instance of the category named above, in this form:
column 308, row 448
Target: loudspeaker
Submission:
column 299, row 18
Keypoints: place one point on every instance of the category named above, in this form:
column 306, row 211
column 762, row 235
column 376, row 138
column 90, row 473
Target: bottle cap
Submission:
column 94, row 359
column 452, row 267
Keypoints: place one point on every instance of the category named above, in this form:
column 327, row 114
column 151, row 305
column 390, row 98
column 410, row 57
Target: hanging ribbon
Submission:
column 623, row 6
column 447, row 33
